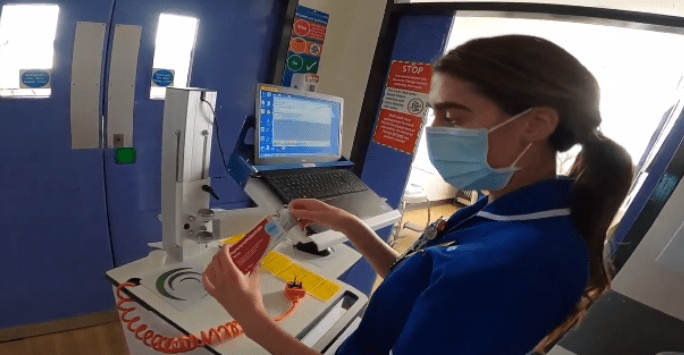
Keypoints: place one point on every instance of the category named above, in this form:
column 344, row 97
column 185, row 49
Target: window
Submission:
column 26, row 51
column 638, row 67
column 173, row 53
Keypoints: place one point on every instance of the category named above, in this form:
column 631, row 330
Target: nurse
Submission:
column 511, row 273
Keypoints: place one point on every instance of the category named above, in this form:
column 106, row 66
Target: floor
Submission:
column 103, row 339
column 406, row 236
column 108, row 339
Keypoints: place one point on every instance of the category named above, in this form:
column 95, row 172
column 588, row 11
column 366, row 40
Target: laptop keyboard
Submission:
column 315, row 184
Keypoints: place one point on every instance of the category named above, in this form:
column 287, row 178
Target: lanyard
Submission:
column 433, row 232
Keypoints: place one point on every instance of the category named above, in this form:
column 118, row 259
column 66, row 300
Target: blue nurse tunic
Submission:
column 499, row 279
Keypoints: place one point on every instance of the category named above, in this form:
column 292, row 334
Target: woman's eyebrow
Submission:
column 448, row 105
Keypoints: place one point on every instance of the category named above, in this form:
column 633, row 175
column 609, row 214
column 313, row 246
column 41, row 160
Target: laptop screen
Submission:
column 294, row 126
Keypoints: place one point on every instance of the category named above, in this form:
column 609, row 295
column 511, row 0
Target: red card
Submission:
column 248, row 251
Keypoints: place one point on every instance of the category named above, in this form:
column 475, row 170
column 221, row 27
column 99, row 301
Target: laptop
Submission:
column 298, row 136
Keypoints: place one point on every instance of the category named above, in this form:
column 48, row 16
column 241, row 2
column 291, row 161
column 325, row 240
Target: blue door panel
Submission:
column 53, row 218
column 420, row 38
column 664, row 173
column 231, row 55
column 57, row 240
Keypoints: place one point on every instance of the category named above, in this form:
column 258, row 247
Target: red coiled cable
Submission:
column 177, row 345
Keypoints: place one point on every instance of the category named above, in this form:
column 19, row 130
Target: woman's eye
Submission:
column 451, row 118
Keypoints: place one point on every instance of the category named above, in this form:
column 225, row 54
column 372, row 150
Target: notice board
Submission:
column 404, row 106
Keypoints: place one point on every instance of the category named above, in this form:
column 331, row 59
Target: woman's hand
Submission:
column 311, row 211
column 238, row 293
column 375, row 250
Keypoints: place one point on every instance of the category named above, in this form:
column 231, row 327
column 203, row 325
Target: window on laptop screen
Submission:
column 297, row 127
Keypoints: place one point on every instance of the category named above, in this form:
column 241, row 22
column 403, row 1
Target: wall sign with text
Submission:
column 404, row 106
column 306, row 43
column 34, row 78
column 163, row 77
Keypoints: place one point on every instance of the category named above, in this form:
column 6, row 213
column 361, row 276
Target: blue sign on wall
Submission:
column 306, row 43
column 34, row 78
column 162, row 77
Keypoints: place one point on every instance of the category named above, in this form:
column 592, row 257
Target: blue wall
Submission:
column 664, row 174
column 67, row 216
column 420, row 38
column 53, row 221
column 232, row 54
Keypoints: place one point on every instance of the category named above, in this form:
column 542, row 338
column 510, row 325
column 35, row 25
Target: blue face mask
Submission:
column 460, row 157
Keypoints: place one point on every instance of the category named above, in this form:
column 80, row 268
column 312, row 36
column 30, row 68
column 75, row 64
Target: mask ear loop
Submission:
column 520, row 156
column 509, row 120
column 505, row 123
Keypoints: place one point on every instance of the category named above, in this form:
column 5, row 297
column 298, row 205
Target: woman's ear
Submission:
column 542, row 122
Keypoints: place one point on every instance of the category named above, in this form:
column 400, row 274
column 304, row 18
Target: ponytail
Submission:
column 603, row 174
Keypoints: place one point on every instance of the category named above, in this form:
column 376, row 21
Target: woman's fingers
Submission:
column 227, row 264
column 257, row 268
column 305, row 204
column 304, row 222
column 300, row 212
column 309, row 213
column 254, row 276
column 213, row 273
column 208, row 285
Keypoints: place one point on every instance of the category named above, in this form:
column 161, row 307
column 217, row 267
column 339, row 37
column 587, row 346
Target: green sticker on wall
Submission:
column 124, row 155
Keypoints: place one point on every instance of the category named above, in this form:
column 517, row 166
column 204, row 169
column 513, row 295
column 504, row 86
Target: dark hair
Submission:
column 518, row 72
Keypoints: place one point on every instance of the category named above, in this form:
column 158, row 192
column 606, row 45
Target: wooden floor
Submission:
column 420, row 217
column 406, row 237
column 104, row 339
column 108, row 339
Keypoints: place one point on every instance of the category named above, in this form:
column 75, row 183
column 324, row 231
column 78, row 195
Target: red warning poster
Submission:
column 404, row 106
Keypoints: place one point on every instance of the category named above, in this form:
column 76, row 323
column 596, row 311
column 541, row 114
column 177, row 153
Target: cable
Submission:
column 176, row 345
column 218, row 136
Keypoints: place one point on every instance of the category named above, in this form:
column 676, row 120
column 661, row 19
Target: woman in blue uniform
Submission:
column 510, row 273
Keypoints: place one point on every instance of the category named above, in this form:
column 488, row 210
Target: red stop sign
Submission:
column 301, row 28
